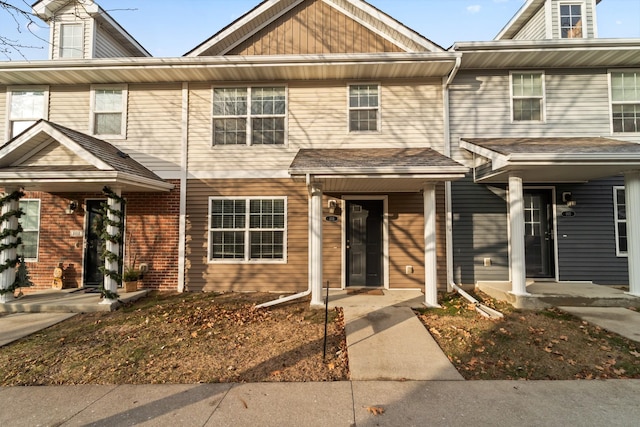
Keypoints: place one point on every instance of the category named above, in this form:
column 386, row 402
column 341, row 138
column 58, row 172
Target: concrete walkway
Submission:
column 621, row 321
column 19, row 325
column 385, row 339
column 408, row 403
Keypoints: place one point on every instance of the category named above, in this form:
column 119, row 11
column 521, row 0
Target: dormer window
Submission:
column 71, row 36
column 571, row 21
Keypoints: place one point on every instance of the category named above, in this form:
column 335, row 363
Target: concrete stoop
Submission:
column 67, row 301
column 552, row 294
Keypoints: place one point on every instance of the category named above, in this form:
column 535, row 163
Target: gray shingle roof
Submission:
column 568, row 145
column 368, row 158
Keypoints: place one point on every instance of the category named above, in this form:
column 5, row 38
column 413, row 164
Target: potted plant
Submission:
column 130, row 278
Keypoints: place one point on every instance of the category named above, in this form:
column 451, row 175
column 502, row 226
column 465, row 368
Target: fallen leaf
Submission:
column 375, row 410
column 634, row 353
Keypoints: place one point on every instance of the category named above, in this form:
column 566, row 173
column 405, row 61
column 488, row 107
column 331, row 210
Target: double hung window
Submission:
column 26, row 107
column 30, row 222
column 571, row 21
column 71, row 41
column 109, row 107
column 527, row 96
column 620, row 218
column 364, row 108
column 625, row 101
column 247, row 229
column 249, row 116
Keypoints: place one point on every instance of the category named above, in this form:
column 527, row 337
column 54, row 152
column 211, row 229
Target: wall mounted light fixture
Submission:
column 567, row 198
column 333, row 204
column 73, row 205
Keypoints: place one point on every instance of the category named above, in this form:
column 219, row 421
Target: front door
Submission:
column 538, row 226
column 364, row 242
column 93, row 277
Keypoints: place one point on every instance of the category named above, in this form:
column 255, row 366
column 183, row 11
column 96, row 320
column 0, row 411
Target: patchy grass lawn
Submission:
column 534, row 345
column 183, row 338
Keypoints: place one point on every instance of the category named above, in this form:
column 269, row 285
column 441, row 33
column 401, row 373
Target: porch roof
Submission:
column 50, row 157
column 375, row 169
column 567, row 159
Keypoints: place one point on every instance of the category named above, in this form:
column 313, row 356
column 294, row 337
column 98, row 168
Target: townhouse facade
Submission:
column 321, row 143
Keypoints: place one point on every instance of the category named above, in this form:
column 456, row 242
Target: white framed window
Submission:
column 527, row 96
column 30, row 235
column 364, row 108
column 571, row 20
column 26, row 106
column 620, row 219
column 247, row 229
column 71, row 41
column 625, row 101
column 109, row 110
column 249, row 115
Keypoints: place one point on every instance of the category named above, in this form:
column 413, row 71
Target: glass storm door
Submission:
column 538, row 226
column 93, row 277
column 364, row 242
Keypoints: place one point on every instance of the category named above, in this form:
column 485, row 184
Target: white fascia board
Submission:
column 127, row 178
column 100, row 15
column 248, row 17
column 520, row 14
column 380, row 172
column 481, row 151
column 92, row 177
column 545, row 45
column 552, row 158
column 387, row 20
column 427, row 176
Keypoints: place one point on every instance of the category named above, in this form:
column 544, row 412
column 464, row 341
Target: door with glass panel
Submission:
column 539, row 241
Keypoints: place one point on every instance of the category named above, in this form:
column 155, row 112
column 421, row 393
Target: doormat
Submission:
column 365, row 292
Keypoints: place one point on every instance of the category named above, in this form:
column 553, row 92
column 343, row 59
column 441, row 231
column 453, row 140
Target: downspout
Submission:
column 451, row 285
column 308, row 291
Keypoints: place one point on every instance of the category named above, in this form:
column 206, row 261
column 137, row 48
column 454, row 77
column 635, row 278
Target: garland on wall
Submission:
column 22, row 275
column 101, row 227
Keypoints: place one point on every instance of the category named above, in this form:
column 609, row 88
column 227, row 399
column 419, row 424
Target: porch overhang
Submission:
column 375, row 170
column 551, row 160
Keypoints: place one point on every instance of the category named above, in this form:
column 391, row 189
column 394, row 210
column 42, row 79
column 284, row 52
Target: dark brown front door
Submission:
column 93, row 277
column 364, row 242
column 538, row 225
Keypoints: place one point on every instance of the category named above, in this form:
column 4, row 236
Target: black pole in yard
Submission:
column 326, row 321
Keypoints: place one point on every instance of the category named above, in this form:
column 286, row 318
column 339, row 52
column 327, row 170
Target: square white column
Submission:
column 315, row 244
column 430, row 252
column 632, row 196
column 110, row 284
column 516, row 225
column 8, row 276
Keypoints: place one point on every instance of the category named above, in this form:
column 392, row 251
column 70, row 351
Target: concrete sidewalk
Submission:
column 19, row 325
column 409, row 403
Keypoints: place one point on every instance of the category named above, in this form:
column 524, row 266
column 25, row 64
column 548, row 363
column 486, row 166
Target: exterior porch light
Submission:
column 567, row 198
column 73, row 205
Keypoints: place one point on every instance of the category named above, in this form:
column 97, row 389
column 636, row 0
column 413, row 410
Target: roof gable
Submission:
column 277, row 27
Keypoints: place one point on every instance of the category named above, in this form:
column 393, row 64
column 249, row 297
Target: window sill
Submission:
column 244, row 262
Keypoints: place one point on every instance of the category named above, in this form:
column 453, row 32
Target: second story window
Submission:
column 249, row 116
column 26, row 106
column 625, row 101
column 571, row 21
column 364, row 108
column 109, row 108
column 71, row 41
column 528, row 96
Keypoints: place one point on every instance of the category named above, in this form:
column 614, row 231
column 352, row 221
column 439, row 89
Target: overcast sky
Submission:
column 171, row 28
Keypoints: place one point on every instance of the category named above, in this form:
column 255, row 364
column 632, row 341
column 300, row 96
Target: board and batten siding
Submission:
column 314, row 28
column 535, row 29
column 411, row 116
column 480, row 230
column 291, row 276
column 154, row 126
column 587, row 240
column 107, row 47
column 576, row 104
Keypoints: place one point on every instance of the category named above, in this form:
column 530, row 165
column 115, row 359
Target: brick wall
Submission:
column 151, row 237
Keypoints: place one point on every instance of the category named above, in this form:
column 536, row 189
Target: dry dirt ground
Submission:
column 535, row 345
column 183, row 338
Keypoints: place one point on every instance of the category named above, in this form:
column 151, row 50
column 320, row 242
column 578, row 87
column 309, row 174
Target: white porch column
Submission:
column 516, row 221
column 111, row 284
column 8, row 276
column 430, row 253
column 632, row 195
column 315, row 244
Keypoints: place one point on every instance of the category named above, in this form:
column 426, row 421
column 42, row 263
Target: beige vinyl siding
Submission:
column 535, row 29
column 314, row 28
column 291, row 276
column 154, row 126
column 69, row 106
column 54, row 154
column 3, row 112
column 107, row 47
column 576, row 103
column 411, row 116
column 587, row 16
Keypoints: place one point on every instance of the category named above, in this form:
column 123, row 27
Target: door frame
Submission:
column 84, row 234
column 385, row 236
column 554, row 229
